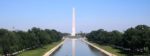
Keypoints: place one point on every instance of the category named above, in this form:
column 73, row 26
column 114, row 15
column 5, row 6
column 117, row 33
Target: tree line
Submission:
column 14, row 41
column 135, row 40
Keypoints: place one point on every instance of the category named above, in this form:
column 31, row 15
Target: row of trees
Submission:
column 14, row 41
column 133, row 40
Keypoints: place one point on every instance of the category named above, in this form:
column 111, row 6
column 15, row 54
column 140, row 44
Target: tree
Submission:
column 134, row 40
column 14, row 41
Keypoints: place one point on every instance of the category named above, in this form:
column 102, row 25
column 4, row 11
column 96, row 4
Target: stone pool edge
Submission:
column 100, row 49
column 51, row 51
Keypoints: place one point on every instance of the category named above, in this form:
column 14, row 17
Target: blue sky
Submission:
column 90, row 14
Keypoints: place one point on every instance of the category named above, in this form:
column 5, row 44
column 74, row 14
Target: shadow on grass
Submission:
column 129, row 53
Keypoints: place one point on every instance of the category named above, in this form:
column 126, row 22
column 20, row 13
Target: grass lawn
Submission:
column 0, row 52
column 116, row 51
column 39, row 51
column 111, row 49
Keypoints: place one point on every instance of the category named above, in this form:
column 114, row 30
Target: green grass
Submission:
column 39, row 51
column 116, row 51
column 111, row 49
column 0, row 51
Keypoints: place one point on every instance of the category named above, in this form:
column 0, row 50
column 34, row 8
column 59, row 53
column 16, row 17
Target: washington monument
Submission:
column 73, row 23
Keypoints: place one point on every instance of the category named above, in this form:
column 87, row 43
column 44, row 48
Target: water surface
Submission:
column 81, row 49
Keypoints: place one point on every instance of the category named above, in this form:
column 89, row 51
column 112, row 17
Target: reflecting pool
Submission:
column 80, row 49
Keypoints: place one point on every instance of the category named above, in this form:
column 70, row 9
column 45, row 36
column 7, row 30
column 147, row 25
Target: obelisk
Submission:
column 73, row 32
column 73, row 23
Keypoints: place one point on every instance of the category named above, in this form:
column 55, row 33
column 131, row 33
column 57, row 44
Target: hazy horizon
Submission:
column 90, row 15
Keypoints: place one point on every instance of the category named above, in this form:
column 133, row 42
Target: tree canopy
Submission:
column 13, row 41
column 134, row 40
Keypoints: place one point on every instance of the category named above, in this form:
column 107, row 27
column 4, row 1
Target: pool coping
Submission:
column 98, row 48
column 51, row 51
